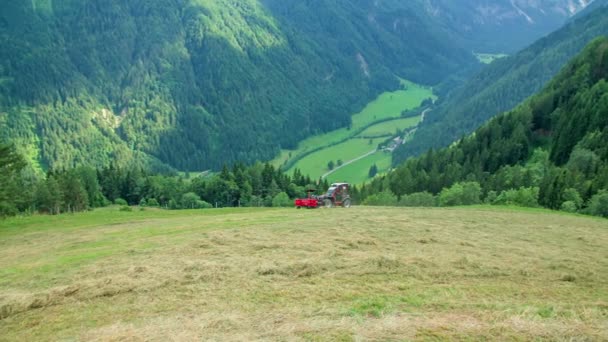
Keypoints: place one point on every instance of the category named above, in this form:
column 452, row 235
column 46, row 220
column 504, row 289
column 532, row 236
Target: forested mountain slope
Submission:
column 552, row 148
column 502, row 85
column 194, row 84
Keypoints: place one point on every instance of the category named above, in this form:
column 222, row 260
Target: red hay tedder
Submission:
column 337, row 195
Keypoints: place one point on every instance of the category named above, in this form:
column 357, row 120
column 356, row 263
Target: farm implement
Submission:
column 337, row 195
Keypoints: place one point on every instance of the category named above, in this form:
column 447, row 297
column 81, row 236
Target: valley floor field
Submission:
column 284, row 274
column 379, row 120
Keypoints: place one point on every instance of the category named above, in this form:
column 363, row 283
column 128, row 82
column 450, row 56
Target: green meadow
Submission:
column 314, row 153
column 388, row 128
column 358, row 171
column 315, row 164
column 357, row 274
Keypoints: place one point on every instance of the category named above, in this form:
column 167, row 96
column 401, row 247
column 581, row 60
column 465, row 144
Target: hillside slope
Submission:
column 194, row 84
column 555, row 143
column 502, row 85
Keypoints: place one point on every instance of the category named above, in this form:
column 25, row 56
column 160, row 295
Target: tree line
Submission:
column 83, row 188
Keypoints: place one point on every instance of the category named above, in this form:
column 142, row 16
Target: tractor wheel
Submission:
column 346, row 203
column 298, row 207
column 328, row 203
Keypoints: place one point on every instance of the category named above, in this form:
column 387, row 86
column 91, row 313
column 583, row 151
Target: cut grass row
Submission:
column 284, row 274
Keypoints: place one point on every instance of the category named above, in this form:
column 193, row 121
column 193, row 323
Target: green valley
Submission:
column 549, row 151
column 379, row 120
column 503, row 84
column 156, row 157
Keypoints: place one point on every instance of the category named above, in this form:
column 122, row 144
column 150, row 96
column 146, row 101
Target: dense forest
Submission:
column 550, row 151
column 192, row 84
column 83, row 188
column 502, row 85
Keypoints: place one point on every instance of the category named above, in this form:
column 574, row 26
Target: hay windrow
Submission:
column 454, row 274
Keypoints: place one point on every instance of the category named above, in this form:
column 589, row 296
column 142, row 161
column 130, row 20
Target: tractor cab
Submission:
column 337, row 195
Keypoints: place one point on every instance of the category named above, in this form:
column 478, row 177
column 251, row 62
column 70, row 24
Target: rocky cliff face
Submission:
column 503, row 25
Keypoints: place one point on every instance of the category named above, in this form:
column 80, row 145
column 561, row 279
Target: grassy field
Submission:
column 358, row 172
column 389, row 127
column 315, row 164
column 387, row 105
column 471, row 274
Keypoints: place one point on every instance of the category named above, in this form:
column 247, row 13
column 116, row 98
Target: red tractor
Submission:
column 337, row 195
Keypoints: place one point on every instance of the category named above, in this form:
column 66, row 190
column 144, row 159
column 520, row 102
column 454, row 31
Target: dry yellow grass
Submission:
column 361, row 274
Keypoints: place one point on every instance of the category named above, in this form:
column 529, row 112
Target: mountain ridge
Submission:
column 502, row 85
column 192, row 84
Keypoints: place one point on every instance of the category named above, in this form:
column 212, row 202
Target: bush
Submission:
column 173, row 204
column 126, row 208
column 106, row 202
column 467, row 193
column 491, row 197
column 190, row 200
column 120, row 201
column 204, row 205
column 152, row 202
column 143, row 202
column 267, row 201
column 419, row 199
column 598, row 204
column 524, row 197
column 569, row 206
column 385, row 198
column 255, row 201
column 7, row 209
column 281, row 200
column 572, row 195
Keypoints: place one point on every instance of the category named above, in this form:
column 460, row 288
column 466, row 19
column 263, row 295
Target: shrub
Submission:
column 173, row 204
column 255, row 201
column 190, row 200
column 204, row 205
column 7, row 209
column 120, row 201
column 281, row 200
column 419, row 199
column 152, row 202
column 125, row 208
column 491, row 197
column 572, row 195
column 569, row 206
column 598, row 204
column 143, row 202
column 467, row 193
column 524, row 197
column 381, row 199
